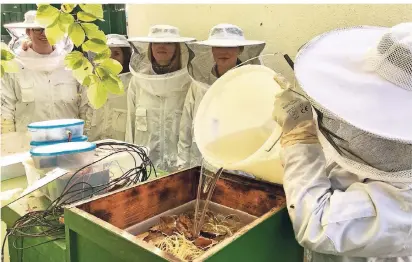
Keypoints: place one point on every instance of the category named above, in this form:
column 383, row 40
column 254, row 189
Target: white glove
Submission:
column 293, row 113
column 290, row 108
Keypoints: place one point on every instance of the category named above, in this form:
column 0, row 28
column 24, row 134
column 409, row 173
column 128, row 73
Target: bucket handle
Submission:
column 286, row 56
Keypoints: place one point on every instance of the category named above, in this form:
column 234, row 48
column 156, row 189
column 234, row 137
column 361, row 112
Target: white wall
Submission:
column 284, row 27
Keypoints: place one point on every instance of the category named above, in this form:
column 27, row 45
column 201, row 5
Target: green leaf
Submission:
column 6, row 55
column 111, row 65
column 85, row 70
column 87, row 80
column 89, row 27
column 54, row 33
column 113, row 85
column 102, row 72
column 102, row 55
column 68, row 8
column 97, row 94
column 72, row 58
column 78, row 64
column 97, row 35
column 86, row 17
column 10, row 66
column 65, row 21
column 47, row 15
column 93, row 9
column 94, row 45
column 76, row 34
column 92, row 31
column 2, row 71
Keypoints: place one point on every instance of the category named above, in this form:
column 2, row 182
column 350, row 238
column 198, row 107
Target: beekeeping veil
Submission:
column 222, row 35
column 359, row 81
column 30, row 59
column 142, row 63
column 161, row 91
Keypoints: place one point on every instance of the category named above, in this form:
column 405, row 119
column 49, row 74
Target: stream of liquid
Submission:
column 234, row 148
column 207, row 184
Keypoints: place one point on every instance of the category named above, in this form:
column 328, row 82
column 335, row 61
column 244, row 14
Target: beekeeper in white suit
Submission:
column 156, row 93
column 42, row 89
column 348, row 174
column 109, row 121
column 225, row 48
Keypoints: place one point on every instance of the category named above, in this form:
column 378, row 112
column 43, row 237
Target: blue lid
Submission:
column 46, row 143
column 63, row 149
column 56, row 123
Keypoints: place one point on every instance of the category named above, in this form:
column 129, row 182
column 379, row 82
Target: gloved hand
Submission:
column 293, row 113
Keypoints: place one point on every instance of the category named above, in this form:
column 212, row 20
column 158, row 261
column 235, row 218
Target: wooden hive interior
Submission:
column 141, row 202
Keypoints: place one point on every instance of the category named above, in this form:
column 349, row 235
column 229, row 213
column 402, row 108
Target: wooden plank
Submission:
column 248, row 195
column 131, row 206
column 136, row 204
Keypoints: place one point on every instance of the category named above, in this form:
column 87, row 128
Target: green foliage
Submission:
column 47, row 15
column 94, row 45
column 68, row 8
column 96, row 92
column 100, row 57
column 8, row 65
column 100, row 76
column 76, row 34
column 93, row 9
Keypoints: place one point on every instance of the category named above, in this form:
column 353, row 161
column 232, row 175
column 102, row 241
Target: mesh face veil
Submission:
column 142, row 61
column 201, row 61
column 223, row 35
column 364, row 153
column 392, row 57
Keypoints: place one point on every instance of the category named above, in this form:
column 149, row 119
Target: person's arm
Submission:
column 371, row 219
column 185, row 132
column 8, row 104
column 131, row 109
column 366, row 220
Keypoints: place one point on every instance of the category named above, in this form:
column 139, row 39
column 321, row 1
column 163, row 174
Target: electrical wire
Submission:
column 46, row 223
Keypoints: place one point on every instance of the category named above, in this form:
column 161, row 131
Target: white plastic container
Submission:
column 63, row 155
column 56, row 130
column 94, row 175
column 233, row 127
column 35, row 144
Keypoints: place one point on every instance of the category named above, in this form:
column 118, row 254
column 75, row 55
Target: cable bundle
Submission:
column 46, row 223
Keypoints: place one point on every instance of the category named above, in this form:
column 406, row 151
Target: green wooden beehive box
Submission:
column 96, row 229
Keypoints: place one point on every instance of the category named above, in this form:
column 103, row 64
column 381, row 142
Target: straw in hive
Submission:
column 174, row 234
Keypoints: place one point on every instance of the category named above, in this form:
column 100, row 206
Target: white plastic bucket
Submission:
column 233, row 127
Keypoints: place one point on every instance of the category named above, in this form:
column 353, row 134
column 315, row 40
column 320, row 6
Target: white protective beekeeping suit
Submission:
column 42, row 89
column 155, row 101
column 109, row 121
column 349, row 197
column 201, row 69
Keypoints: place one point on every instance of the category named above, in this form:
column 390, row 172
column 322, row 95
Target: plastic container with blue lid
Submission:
column 34, row 144
column 63, row 155
column 56, row 130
